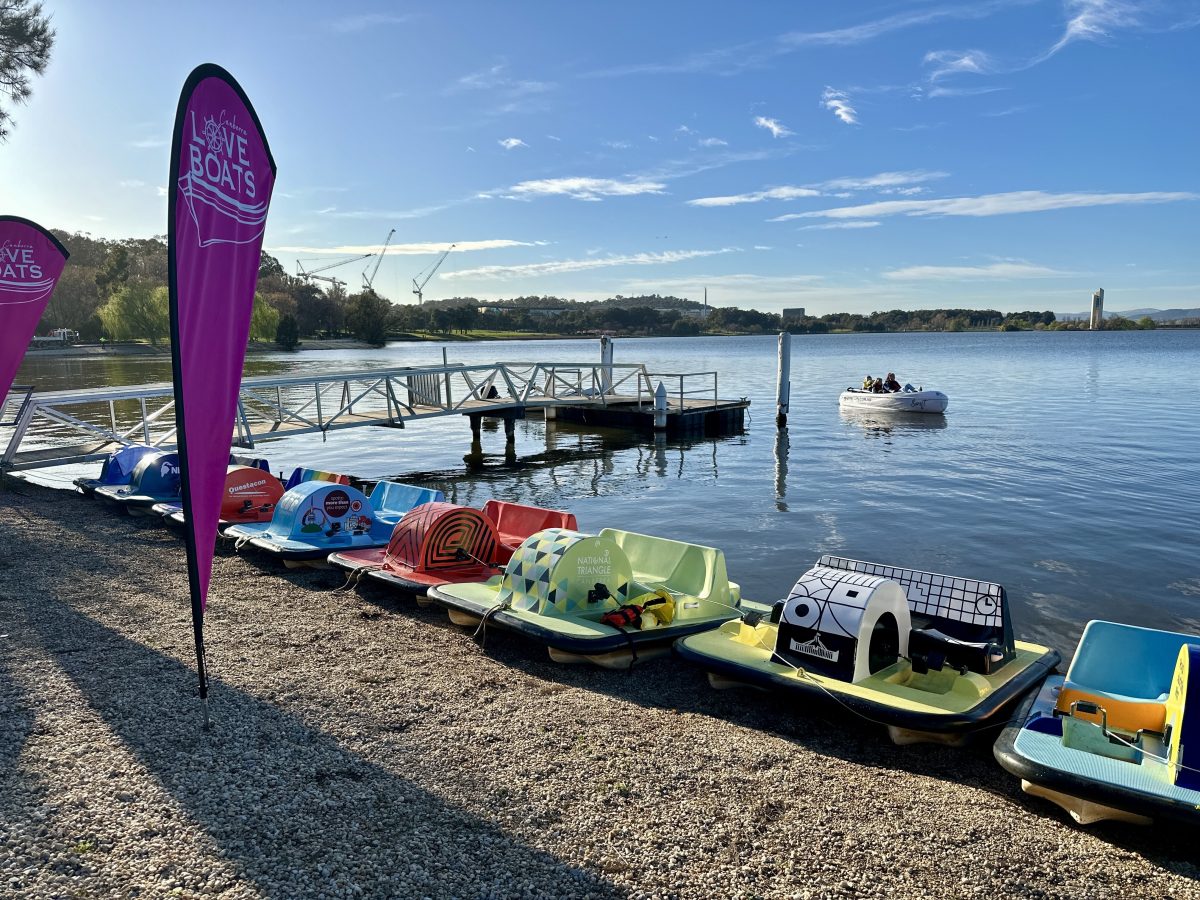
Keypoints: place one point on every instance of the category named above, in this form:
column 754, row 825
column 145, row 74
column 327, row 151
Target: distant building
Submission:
column 537, row 312
column 1097, row 318
column 699, row 313
column 793, row 312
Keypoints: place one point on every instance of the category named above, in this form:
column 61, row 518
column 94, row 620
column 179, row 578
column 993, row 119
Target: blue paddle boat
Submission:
column 1114, row 738
column 316, row 518
column 117, row 469
column 155, row 479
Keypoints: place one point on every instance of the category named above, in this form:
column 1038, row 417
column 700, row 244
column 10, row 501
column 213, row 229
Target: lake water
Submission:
column 1066, row 468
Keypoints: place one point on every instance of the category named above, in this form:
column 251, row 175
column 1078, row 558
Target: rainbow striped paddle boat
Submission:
column 931, row 657
column 1118, row 736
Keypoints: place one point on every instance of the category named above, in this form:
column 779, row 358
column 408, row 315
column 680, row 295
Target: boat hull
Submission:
column 933, row 402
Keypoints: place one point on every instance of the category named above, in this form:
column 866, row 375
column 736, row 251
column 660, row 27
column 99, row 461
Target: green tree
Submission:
column 137, row 310
column 287, row 333
column 26, row 40
column 1146, row 323
column 114, row 272
column 367, row 316
column 264, row 319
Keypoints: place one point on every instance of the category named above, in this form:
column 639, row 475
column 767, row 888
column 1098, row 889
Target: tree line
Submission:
column 117, row 290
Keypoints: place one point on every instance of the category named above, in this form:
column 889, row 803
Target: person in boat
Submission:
column 877, row 386
column 890, row 384
column 867, row 382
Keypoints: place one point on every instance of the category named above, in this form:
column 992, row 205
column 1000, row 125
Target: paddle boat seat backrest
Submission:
column 251, row 494
column 558, row 572
column 689, row 569
column 515, row 522
column 1125, row 669
column 254, row 462
column 391, row 500
column 156, row 475
column 118, row 467
column 300, row 475
column 430, row 537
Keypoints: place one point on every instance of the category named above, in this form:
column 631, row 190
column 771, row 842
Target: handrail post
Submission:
column 145, row 424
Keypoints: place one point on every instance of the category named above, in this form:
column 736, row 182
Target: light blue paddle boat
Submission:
column 1117, row 737
column 316, row 518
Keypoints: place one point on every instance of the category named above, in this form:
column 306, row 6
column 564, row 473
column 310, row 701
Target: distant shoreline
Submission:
column 88, row 351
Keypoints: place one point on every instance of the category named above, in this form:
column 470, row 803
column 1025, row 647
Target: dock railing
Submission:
column 697, row 387
column 74, row 426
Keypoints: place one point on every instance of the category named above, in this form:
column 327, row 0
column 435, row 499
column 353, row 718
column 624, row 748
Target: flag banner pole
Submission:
column 31, row 260
column 222, row 175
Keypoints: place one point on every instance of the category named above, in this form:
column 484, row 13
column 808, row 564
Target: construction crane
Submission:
column 418, row 288
column 369, row 280
column 311, row 274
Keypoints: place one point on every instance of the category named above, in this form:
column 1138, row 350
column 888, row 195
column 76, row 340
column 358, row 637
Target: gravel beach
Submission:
column 364, row 747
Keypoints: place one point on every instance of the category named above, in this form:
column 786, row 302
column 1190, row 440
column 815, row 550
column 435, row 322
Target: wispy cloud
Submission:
column 412, row 249
column 774, row 126
column 990, row 204
column 1005, row 270
column 1095, row 20
column 362, row 22
column 152, row 143
column 579, row 188
column 618, row 145
column 417, row 213
column 838, row 102
column 713, row 142
column 775, row 193
column 763, row 247
column 738, row 58
column 497, row 78
column 955, row 62
column 840, row 226
column 512, row 143
column 944, row 91
column 869, row 31
column 561, row 266
column 1009, row 111
column 510, row 94
column 884, row 182
column 131, row 183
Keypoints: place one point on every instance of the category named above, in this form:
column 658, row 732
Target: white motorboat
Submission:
column 921, row 401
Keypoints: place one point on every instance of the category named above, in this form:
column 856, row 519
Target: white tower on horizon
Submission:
column 1097, row 319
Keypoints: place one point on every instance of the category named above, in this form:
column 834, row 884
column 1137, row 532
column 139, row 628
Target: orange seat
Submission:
column 515, row 522
column 1124, row 714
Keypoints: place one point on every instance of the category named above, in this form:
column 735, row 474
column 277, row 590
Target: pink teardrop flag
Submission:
column 222, row 174
column 31, row 259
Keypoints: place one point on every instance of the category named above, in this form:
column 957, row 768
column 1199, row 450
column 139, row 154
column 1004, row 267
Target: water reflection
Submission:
column 576, row 463
column 886, row 424
column 783, row 443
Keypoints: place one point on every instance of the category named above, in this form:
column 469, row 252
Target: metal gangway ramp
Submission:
column 74, row 426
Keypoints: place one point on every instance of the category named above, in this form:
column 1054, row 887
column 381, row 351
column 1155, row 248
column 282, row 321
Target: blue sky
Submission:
column 840, row 157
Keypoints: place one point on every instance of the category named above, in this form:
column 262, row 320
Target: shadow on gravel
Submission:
column 298, row 813
column 669, row 683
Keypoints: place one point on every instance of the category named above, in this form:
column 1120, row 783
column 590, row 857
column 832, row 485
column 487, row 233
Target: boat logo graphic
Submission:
column 249, row 486
column 220, row 185
column 815, row 648
column 22, row 278
column 169, row 469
